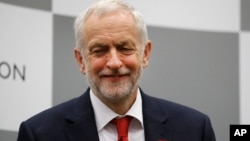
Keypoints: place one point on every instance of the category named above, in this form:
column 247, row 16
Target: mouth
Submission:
column 115, row 78
column 114, row 75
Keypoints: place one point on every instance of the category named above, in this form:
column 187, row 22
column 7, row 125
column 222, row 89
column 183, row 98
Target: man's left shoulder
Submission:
column 187, row 122
column 172, row 108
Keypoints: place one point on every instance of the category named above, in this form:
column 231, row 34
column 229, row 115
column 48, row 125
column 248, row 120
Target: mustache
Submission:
column 114, row 72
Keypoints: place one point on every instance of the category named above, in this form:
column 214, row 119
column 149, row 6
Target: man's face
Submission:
column 113, row 56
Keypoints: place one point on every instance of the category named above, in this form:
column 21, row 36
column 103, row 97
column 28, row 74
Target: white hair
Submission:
column 104, row 7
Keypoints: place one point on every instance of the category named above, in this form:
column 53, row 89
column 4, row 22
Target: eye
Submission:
column 126, row 47
column 98, row 51
column 126, row 50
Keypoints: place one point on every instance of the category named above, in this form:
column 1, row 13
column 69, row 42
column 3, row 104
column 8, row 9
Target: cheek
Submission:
column 95, row 65
column 133, row 62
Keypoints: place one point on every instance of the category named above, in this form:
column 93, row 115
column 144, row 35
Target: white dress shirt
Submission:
column 103, row 115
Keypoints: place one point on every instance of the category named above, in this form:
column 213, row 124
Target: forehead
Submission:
column 112, row 18
column 107, row 12
column 110, row 24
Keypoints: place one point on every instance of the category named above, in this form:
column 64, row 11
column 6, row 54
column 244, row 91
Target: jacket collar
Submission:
column 82, row 115
column 155, row 121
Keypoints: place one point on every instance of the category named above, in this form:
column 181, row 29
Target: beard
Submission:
column 114, row 91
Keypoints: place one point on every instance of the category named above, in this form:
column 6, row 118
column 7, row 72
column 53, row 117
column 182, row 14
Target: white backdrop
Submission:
column 26, row 42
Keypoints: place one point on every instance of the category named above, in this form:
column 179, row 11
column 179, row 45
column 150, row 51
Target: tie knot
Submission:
column 122, row 125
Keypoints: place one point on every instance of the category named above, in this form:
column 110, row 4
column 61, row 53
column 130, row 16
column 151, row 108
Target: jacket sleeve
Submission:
column 208, row 131
column 25, row 133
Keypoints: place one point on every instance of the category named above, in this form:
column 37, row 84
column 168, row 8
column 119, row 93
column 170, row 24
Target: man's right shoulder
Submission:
column 60, row 111
column 54, row 114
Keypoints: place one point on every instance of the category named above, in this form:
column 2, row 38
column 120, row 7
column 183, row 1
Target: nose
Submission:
column 114, row 61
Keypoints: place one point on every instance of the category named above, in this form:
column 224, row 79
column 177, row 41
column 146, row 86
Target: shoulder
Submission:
column 56, row 115
column 183, row 120
column 48, row 122
column 53, row 115
column 172, row 109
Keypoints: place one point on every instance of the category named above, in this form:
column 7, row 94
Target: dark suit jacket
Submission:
column 74, row 121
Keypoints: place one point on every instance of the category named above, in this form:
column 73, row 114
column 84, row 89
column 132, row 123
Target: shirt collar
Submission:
column 103, row 114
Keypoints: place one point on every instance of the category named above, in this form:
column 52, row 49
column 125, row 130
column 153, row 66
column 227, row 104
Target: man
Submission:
column 112, row 48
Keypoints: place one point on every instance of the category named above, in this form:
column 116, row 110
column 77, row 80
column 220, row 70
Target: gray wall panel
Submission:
column 67, row 79
column 8, row 135
column 197, row 69
column 245, row 15
column 36, row 4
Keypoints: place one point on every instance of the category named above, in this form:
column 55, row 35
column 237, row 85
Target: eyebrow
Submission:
column 117, row 44
column 97, row 44
column 125, row 42
column 122, row 43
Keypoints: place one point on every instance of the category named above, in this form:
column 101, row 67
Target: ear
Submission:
column 146, row 53
column 79, row 60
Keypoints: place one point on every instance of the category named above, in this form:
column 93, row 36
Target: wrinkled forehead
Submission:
column 110, row 25
column 110, row 19
column 104, row 12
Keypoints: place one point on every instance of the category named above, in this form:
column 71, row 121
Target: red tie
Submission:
column 122, row 125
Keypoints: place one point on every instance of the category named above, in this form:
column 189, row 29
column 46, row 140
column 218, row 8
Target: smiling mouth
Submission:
column 114, row 78
column 114, row 75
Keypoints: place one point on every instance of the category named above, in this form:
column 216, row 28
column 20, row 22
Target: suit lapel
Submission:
column 155, row 130
column 155, row 122
column 81, row 121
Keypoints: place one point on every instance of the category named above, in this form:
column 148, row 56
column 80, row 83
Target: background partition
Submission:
column 200, row 58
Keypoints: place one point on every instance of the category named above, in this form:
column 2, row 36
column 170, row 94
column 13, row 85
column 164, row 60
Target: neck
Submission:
column 121, row 105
